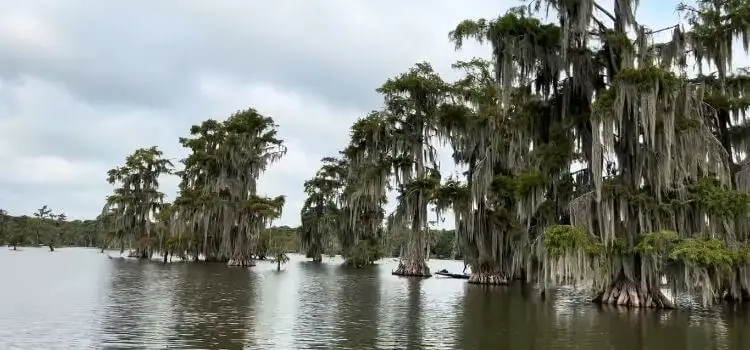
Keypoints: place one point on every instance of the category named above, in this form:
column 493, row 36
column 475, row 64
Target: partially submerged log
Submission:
column 624, row 292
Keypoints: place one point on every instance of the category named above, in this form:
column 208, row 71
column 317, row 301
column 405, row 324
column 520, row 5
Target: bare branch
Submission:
column 600, row 8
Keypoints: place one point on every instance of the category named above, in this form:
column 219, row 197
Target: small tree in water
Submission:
column 277, row 250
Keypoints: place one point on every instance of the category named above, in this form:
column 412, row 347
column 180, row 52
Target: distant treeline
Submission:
column 44, row 228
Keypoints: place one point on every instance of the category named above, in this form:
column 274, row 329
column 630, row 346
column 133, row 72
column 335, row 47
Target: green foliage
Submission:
column 363, row 252
column 279, row 239
column 707, row 252
column 453, row 194
column 648, row 78
column 514, row 24
column 23, row 230
column 561, row 240
column 656, row 243
column 526, row 181
column 718, row 200
column 618, row 41
column 443, row 244
column 603, row 106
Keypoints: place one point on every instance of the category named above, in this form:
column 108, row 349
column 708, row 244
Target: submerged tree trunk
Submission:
column 247, row 262
column 412, row 268
column 318, row 258
column 625, row 292
column 487, row 276
column 241, row 259
column 51, row 247
column 414, row 264
column 278, row 264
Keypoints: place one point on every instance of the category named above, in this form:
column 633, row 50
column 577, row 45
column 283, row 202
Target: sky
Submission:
column 85, row 83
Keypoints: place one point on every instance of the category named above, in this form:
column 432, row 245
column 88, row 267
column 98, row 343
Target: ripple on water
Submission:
column 78, row 299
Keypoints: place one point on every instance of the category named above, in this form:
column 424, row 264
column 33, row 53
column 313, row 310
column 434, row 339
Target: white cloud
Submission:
column 47, row 170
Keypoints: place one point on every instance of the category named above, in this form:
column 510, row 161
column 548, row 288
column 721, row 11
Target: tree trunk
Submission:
column 624, row 292
column 413, row 264
column 51, row 248
column 15, row 246
column 317, row 258
column 487, row 276
column 278, row 264
column 212, row 258
column 241, row 260
column 165, row 257
column 412, row 268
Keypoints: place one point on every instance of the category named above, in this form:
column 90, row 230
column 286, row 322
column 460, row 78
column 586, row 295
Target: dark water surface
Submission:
column 78, row 299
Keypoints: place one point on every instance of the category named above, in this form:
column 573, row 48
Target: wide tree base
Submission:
column 410, row 269
column 495, row 279
column 241, row 262
column 624, row 292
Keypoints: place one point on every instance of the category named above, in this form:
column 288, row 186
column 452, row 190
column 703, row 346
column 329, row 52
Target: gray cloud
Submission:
column 82, row 83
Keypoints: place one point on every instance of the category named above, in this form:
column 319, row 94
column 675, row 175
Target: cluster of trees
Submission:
column 218, row 214
column 44, row 227
column 593, row 154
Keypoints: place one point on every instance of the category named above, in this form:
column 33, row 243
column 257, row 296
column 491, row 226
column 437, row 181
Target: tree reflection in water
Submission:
column 212, row 306
column 315, row 321
column 357, row 304
column 136, row 303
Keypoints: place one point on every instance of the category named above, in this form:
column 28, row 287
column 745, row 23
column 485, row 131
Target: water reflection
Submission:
column 129, row 320
column 278, row 307
column 501, row 317
column 211, row 305
column 77, row 299
column 356, row 310
column 317, row 289
column 737, row 324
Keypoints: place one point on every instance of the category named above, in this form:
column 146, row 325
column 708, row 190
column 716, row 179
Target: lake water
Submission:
column 78, row 299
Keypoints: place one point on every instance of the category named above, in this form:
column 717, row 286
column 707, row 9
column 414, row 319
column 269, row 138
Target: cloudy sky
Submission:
column 85, row 83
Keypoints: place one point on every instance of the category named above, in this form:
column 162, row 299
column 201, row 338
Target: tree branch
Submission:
column 661, row 30
column 600, row 8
